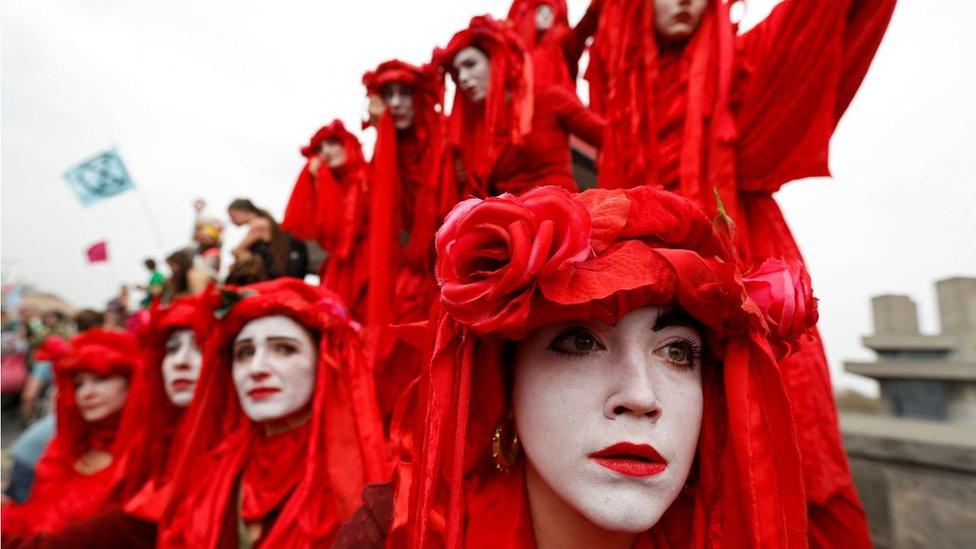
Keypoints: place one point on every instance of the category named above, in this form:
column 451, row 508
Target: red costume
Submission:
column 555, row 52
column 518, row 136
column 741, row 115
column 61, row 495
column 150, row 453
column 509, row 265
column 404, row 175
column 331, row 208
column 298, row 484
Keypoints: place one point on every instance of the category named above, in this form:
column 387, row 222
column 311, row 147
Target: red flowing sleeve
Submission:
column 575, row 118
column 799, row 69
column 574, row 42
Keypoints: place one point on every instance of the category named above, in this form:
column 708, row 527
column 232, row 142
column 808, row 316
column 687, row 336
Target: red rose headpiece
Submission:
column 346, row 447
column 510, row 264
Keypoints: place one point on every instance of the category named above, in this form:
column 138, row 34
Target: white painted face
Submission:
column 473, row 70
column 609, row 416
column 544, row 17
column 99, row 396
column 273, row 367
column 333, row 153
column 181, row 366
column 676, row 20
column 399, row 99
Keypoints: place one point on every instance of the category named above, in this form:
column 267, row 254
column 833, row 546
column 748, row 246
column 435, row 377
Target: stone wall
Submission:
column 916, row 479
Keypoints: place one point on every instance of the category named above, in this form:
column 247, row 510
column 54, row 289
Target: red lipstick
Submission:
column 633, row 460
column 261, row 393
column 182, row 384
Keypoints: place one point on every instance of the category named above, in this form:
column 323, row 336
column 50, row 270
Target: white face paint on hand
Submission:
column 473, row 70
column 609, row 416
column 273, row 367
column 181, row 366
column 99, row 396
column 399, row 99
column 333, row 153
column 544, row 17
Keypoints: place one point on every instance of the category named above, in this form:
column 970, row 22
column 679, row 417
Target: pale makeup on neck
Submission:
column 608, row 417
column 273, row 367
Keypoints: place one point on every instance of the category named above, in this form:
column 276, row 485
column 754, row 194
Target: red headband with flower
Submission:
column 510, row 264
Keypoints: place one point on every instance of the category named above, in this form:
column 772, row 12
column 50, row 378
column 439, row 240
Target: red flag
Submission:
column 98, row 252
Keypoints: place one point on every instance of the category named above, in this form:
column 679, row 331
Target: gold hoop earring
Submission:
column 504, row 459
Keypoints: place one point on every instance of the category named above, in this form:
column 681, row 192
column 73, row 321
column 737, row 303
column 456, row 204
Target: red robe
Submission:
column 61, row 495
column 298, row 484
column 555, row 52
column 742, row 115
column 346, row 270
column 543, row 157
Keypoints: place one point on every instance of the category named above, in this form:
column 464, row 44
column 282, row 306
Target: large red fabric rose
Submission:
column 783, row 292
column 493, row 253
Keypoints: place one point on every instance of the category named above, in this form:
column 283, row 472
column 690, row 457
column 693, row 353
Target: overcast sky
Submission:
column 212, row 100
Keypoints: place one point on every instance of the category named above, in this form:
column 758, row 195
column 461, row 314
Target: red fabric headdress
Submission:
column 315, row 202
column 522, row 16
column 345, row 444
column 156, row 422
column 625, row 79
column 510, row 264
column 60, row 494
column 481, row 131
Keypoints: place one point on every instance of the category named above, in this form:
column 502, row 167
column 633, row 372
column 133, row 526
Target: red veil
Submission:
column 60, row 495
column 157, row 424
column 742, row 115
column 405, row 176
column 556, row 52
column 508, row 265
column 480, row 132
column 327, row 461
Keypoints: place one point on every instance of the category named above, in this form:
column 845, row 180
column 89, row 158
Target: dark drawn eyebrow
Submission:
column 675, row 317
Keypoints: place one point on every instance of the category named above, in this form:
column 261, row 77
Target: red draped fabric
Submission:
column 742, row 115
column 518, row 137
column 606, row 253
column 61, row 495
column 404, row 175
column 555, row 52
column 299, row 485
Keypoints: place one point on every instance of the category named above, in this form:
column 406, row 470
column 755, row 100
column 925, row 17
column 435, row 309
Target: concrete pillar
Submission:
column 956, row 311
column 894, row 315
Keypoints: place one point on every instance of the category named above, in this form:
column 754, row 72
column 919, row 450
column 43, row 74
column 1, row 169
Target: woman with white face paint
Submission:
column 286, row 431
column 509, row 132
column 554, row 45
column 79, row 474
column 154, row 432
column 330, row 205
column 405, row 109
column 600, row 378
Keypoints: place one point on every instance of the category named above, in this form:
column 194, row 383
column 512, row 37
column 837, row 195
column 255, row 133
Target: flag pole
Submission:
column 145, row 205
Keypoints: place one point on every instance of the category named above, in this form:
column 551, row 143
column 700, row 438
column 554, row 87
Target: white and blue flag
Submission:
column 99, row 177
